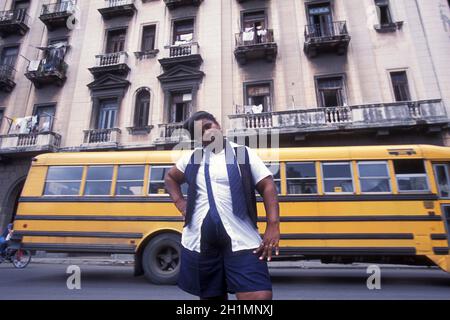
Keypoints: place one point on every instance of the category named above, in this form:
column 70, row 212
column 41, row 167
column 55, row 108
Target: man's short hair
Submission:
column 189, row 124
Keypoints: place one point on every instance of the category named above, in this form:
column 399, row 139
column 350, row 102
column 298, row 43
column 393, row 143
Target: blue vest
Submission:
column 246, row 177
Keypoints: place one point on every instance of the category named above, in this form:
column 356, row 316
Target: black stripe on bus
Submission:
column 441, row 250
column 349, row 236
column 93, row 248
column 438, row 236
column 118, row 235
column 302, row 251
column 99, row 218
column 285, row 198
column 282, row 219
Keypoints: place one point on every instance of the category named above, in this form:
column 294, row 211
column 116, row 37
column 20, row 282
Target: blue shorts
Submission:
column 217, row 270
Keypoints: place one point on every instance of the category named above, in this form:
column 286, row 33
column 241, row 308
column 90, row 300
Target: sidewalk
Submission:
column 128, row 260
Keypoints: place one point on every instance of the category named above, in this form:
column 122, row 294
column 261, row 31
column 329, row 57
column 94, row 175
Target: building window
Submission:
column 63, row 181
column 274, row 167
column 337, row 177
column 183, row 31
column 384, row 12
column 45, row 116
column 254, row 25
column 411, row 175
column 107, row 113
column 148, row 38
column 258, row 97
column 8, row 56
column 142, row 107
column 130, row 180
column 2, row 112
column 116, row 40
column 400, row 86
column 374, row 176
column 98, row 180
column 331, row 91
column 180, row 106
column 301, row 178
column 320, row 19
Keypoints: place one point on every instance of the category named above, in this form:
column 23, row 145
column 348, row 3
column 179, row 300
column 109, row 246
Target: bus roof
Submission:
column 281, row 154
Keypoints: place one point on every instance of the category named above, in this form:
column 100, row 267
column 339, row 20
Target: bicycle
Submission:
column 20, row 258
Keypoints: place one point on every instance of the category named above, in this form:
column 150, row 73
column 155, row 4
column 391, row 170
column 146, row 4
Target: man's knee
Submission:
column 256, row 295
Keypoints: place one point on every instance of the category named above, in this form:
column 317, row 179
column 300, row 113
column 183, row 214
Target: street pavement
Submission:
column 291, row 281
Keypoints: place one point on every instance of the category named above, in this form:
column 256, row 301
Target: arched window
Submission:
column 142, row 108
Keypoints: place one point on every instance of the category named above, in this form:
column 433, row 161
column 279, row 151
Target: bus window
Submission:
column 337, row 177
column 274, row 167
column 301, row 178
column 374, row 176
column 63, row 181
column 156, row 182
column 411, row 175
column 130, row 180
column 442, row 179
column 98, row 180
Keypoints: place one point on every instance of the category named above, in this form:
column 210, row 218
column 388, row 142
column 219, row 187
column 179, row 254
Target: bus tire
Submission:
column 161, row 259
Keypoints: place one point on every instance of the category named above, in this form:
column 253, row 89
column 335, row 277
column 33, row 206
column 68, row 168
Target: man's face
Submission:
column 211, row 131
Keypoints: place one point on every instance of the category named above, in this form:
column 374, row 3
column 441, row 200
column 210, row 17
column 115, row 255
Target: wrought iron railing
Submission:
column 7, row 72
column 254, row 37
column 14, row 16
column 117, row 3
column 66, row 6
column 326, row 30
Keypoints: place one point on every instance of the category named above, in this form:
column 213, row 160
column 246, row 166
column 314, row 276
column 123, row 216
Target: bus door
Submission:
column 442, row 174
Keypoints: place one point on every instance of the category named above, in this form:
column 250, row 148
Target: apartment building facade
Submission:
column 123, row 74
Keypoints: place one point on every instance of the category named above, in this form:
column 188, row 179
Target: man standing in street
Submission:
column 222, row 250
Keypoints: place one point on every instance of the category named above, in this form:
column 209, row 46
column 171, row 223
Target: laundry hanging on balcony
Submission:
column 248, row 34
column 54, row 54
column 23, row 125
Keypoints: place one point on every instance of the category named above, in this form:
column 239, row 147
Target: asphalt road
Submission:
column 48, row 281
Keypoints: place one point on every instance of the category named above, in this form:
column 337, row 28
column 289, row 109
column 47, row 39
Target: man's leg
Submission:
column 255, row 295
column 218, row 298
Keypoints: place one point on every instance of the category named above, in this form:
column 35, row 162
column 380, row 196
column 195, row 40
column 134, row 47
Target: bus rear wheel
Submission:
column 161, row 259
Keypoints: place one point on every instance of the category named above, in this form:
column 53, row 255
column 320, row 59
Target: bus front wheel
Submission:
column 161, row 259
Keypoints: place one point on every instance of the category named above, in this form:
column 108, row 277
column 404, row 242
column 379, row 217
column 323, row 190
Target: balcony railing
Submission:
column 255, row 44
column 116, row 8
column 185, row 53
column 351, row 117
column 102, row 136
column 173, row 4
column 326, row 37
column 29, row 142
column 56, row 14
column 116, row 62
column 14, row 22
column 7, row 75
column 171, row 133
column 47, row 71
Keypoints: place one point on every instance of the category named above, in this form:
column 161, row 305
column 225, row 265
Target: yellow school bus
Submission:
column 377, row 204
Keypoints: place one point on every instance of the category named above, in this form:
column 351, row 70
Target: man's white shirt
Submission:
column 243, row 233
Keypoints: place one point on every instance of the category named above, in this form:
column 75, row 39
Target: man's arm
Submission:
column 268, row 190
column 173, row 181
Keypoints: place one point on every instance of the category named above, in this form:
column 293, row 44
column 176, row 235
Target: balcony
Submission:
column 173, row 4
column 29, row 142
column 47, row 71
column 326, row 38
column 185, row 54
column 7, row 74
column 117, row 8
column 111, row 63
column 101, row 138
column 254, row 45
column 170, row 133
column 13, row 22
column 388, row 27
column 372, row 116
column 56, row 15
